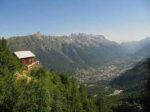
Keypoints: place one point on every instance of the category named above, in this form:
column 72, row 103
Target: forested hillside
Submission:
column 141, row 101
column 39, row 90
column 133, row 79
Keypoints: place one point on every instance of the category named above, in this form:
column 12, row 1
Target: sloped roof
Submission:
column 24, row 54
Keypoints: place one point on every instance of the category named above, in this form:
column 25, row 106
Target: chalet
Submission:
column 27, row 58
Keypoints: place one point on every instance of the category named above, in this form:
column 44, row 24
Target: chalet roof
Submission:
column 24, row 54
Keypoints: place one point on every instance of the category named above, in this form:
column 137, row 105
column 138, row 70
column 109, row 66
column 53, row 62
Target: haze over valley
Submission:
column 74, row 55
column 90, row 57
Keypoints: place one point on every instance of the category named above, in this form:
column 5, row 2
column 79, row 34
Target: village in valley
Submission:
column 106, row 72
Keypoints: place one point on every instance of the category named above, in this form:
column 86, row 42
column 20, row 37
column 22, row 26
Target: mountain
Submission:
column 39, row 90
column 134, row 46
column 132, row 79
column 144, row 51
column 75, row 51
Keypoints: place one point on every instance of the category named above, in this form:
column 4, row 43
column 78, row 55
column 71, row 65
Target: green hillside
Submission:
column 38, row 90
column 133, row 79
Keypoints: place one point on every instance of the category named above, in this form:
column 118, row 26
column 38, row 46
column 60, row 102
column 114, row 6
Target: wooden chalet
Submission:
column 27, row 58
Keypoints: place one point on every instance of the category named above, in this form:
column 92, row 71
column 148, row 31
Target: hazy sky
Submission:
column 119, row 20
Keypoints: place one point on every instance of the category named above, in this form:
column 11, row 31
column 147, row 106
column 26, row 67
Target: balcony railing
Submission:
column 33, row 65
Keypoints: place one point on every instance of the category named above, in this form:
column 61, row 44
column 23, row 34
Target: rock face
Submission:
column 69, row 53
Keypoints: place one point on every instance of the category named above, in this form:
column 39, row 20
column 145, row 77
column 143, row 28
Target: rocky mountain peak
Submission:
column 38, row 34
column 83, row 35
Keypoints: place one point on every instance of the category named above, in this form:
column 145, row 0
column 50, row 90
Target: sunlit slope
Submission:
column 75, row 51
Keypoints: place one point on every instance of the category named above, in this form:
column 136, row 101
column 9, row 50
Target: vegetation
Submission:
column 139, row 103
column 132, row 80
column 146, row 93
column 8, row 63
column 38, row 90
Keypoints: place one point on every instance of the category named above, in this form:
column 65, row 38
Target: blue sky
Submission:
column 118, row 20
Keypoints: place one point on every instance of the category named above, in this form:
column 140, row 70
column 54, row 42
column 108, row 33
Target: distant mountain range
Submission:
column 92, row 58
column 81, row 51
column 68, row 53
column 134, row 47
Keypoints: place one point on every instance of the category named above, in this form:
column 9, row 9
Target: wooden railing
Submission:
column 33, row 65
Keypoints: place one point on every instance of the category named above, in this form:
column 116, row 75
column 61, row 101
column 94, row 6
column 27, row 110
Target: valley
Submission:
column 74, row 56
column 91, row 59
column 102, row 73
column 97, row 79
column 106, row 70
column 76, row 51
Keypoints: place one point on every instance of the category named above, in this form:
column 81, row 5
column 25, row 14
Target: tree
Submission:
column 146, row 99
column 99, row 102
column 8, row 66
column 43, row 92
column 38, row 73
column 8, row 62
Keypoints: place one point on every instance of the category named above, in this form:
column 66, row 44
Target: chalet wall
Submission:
column 28, row 61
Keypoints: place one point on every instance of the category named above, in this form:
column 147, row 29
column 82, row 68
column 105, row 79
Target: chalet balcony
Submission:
column 33, row 65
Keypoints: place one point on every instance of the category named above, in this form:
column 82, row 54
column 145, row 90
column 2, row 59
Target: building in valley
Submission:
column 27, row 58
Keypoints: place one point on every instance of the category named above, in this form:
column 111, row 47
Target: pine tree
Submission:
column 44, row 92
column 146, row 100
